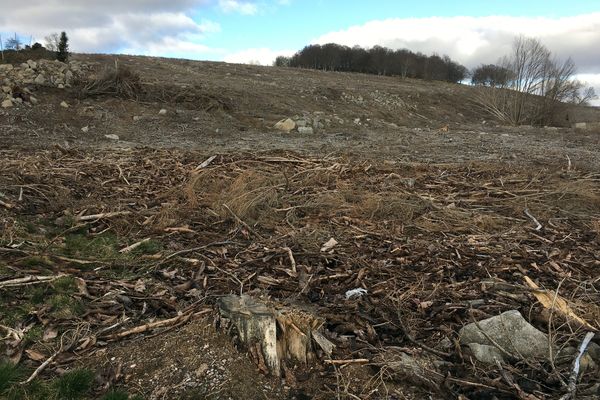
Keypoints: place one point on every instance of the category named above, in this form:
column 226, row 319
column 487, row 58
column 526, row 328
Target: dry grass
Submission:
column 118, row 81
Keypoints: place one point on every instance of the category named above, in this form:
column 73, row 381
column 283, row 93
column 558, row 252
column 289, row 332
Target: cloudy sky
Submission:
column 470, row 31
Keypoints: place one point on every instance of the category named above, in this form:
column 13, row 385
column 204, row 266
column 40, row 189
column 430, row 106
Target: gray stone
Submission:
column 112, row 136
column 64, row 104
column 162, row 112
column 68, row 76
column 32, row 64
column 307, row 130
column 581, row 125
column 511, row 332
column 286, row 125
column 301, row 123
column 486, row 354
column 33, row 100
column 40, row 79
column 7, row 103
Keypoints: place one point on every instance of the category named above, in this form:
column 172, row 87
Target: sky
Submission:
column 470, row 31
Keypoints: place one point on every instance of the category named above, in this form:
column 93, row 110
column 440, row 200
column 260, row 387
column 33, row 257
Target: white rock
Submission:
column 68, row 76
column 85, row 129
column 112, row 136
column 40, row 79
column 306, row 130
column 7, row 103
column 162, row 112
column 285, row 125
column 136, row 118
column 64, row 104
column 61, row 86
column 32, row 64
column 6, row 67
column 33, row 100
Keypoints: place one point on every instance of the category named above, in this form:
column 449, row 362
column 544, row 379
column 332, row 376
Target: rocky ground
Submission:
column 475, row 245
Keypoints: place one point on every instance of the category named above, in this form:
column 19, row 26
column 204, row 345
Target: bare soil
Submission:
column 425, row 196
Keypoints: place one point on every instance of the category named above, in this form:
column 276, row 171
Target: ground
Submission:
column 434, row 208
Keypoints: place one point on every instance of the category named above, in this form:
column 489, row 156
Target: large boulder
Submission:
column 507, row 335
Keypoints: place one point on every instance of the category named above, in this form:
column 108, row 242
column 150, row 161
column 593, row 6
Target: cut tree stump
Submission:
column 273, row 334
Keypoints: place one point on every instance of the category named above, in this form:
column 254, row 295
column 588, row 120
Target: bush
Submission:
column 119, row 81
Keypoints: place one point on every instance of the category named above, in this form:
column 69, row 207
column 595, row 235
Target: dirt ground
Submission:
column 424, row 195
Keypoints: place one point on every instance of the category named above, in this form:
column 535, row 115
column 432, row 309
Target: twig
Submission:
column 7, row 205
column 239, row 220
column 29, row 280
column 349, row 361
column 292, row 260
column 572, row 387
column 94, row 217
column 534, row 219
column 134, row 246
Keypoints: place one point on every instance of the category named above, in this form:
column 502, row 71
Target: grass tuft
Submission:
column 75, row 384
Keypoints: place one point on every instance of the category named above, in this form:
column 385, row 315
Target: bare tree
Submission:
column 51, row 41
column 537, row 86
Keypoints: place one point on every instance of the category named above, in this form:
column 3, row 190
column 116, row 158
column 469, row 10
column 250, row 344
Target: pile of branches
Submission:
column 435, row 247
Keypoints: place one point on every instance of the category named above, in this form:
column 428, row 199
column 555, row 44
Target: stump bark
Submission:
column 273, row 334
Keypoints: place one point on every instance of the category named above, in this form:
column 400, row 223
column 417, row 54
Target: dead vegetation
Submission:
column 118, row 81
column 109, row 245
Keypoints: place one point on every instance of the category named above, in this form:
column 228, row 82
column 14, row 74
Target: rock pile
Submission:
column 307, row 124
column 15, row 81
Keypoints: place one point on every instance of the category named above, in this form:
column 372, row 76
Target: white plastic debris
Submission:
column 358, row 292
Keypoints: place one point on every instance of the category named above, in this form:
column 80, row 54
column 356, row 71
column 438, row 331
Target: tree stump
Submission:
column 273, row 334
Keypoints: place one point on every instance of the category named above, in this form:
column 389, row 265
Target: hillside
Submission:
column 393, row 217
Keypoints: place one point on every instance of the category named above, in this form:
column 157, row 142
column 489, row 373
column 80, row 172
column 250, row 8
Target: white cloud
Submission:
column 147, row 26
column 242, row 7
column 475, row 40
column 262, row 56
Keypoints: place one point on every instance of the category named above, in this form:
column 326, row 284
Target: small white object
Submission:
column 358, row 292
column 85, row 129
column 330, row 244
column 162, row 112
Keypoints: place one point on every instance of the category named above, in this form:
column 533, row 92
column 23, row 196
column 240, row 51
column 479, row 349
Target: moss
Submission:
column 34, row 334
column 102, row 247
column 36, row 261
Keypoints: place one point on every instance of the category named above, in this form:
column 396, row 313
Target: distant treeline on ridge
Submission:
column 377, row 60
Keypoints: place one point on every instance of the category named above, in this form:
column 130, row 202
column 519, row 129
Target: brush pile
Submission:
column 395, row 258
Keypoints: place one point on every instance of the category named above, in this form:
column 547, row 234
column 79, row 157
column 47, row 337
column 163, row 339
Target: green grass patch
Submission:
column 75, row 384
column 9, row 375
column 103, row 247
column 36, row 262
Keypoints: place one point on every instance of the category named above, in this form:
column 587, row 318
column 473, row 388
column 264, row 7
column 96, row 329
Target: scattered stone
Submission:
column 7, row 103
column 306, row 130
column 85, row 129
column 508, row 330
column 40, row 79
column 112, row 136
column 64, row 104
column 285, row 125
column 201, row 370
column 581, row 125
column 162, row 112
column 33, row 100
column 32, row 64
column 301, row 123
column 136, row 118
column 61, row 86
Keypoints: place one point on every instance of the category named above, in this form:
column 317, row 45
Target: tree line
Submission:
column 376, row 60
column 54, row 44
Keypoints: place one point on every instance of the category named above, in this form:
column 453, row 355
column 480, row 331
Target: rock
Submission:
column 136, row 118
column 32, row 64
column 6, row 67
column 285, row 125
column 581, row 125
column 201, row 370
column 61, row 86
column 301, row 123
column 85, row 129
column 306, row 130
column 40, row 79
column 486, row 354
column 508, row 330
column 64, row 104
column 7, row 103
column 112, row 136
column 33, row 100
column 68, row 76
column 6, row 89
column 162, row 112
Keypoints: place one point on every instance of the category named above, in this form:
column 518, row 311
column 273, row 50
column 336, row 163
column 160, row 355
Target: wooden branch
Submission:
column 30, row 280
column 94, row 217
column 134, row 246
column 349, row 361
